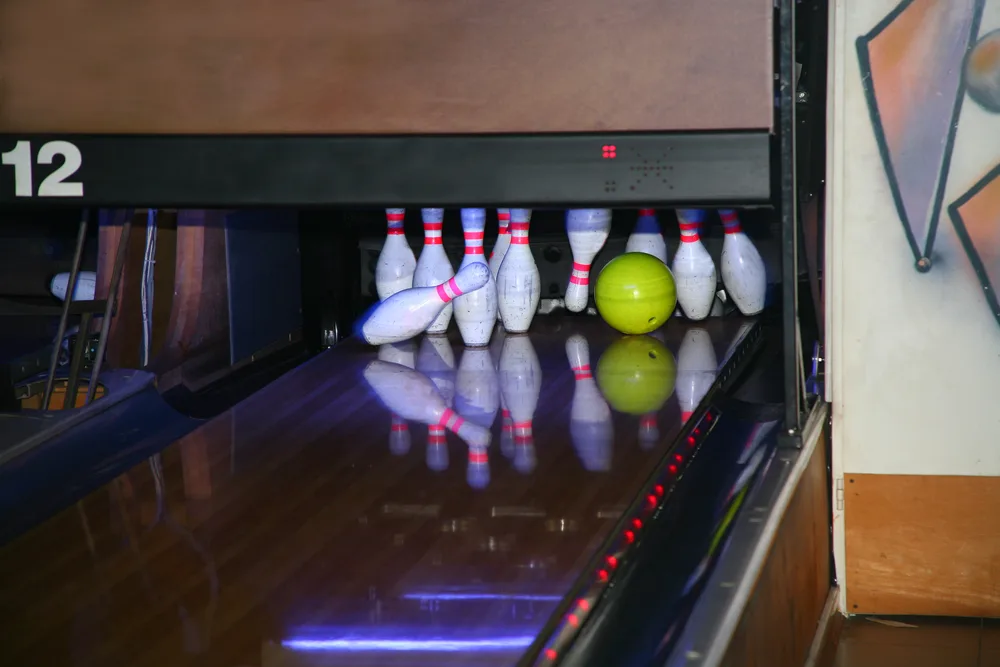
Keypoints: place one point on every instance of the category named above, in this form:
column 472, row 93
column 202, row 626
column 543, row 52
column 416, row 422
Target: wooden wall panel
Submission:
column 921, row 544
column 782, row 616
column 385, row 66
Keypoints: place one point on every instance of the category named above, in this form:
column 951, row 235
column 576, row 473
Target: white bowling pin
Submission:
column 476, row 311
column 696, row 370
column 587, row 229
column 520, row 384
column 503, row 241
column 404, row 354
column 646, row 236
column 434, row 267
column 742, row 267
column 477, row 390
column 693, row 268
column 86, row 285
column 590, row 425
column 413, row 396
column 518, row 281
column 396, row 263
column 405, row 314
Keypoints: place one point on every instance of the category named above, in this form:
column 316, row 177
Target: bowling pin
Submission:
column 742, row 267
column 476, row 311
column 506, row 423
column 86, row 285
column 587, row 229
column 477, row 390
column 696, row 370
column 396, row 263
column 404, row 354
column 520, row 384
column 518, row 281
column 646, row 236
column 590, row 425
column 693, row 268
column 434, row 267
column 503, row 241
column 413, row 396
column 405, row 314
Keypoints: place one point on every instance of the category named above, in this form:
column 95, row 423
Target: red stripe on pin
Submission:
column 577, row 266
column 519, row 226
column 519, row 240
column 478, row 457
column 395, row 217
column 400, row 427
column 579, row 280
column 474, row 235
column 474, row 250
column 432, row 240
column 526, row 424
column 647, row 211
column 395, row 231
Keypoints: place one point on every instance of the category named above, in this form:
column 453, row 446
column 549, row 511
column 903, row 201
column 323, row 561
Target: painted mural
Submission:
column 919, row 65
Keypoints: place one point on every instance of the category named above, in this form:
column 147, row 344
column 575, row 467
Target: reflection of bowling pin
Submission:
column 646, row 236
column 413, row 396
column 696, row 370
column 518, row 282
column 86, row 285
column 476, row 311
column 404, row 354
column 737, row 339
column 590, row 424
column 436, row 360
column 693, row 268
column 477, row 474
column 405, row 314
column 520, row 384
column 477, row 391
column 506, row 423
column 742, row 267
column 433, row 266
column 649, row 431
column 396, row 263
column 587, row 229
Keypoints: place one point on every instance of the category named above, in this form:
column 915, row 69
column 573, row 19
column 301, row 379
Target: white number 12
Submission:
column 53, row 185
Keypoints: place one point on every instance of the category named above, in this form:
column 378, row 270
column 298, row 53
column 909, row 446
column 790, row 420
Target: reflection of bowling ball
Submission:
column 636, row 374
column 982, row 72
column 635, row 293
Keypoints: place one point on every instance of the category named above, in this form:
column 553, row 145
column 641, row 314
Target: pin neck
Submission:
column 432, row 233
column 474, row 242
column 582, row 372
column 730, row 222
column 689, row 232
column 519, row 233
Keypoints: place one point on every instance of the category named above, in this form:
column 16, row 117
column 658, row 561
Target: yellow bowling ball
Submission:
column 635, row 293
column 637, row 374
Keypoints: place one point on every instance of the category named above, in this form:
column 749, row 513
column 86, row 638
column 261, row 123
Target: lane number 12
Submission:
column 53, row 185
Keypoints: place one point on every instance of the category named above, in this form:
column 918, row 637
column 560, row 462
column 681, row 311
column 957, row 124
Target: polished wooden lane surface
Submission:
column 287, row 521
column 385, row 66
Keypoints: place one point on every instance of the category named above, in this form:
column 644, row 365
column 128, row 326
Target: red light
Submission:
column 609, row 151
column 550, row 654
column 651, row 499
column 629, row 536
column 573, row 620
column 612, row 562
column 658, row 489
column 708, row 416
column 602, row 575
column 583, row 604
column 678, row 458
column 637, row 523
column 672, row 469
column 697, row 431
column 691, row 441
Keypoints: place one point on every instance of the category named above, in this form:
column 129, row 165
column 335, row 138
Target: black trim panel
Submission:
column 531, row 170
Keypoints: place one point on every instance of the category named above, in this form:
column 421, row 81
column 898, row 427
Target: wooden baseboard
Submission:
column 922, row 545
column 823, row 651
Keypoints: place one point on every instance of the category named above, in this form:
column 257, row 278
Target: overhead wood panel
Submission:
column 384, row 66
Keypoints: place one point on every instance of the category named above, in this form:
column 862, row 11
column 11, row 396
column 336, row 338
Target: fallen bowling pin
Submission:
column 587, row 229
column 407, row 313
column 413, row 396
column 86, row 285
column 743, row 271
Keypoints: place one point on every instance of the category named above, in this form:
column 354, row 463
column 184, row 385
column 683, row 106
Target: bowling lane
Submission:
column 308, row 523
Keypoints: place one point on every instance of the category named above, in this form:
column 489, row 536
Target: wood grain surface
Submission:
column 922, row 545
column 384, row 66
